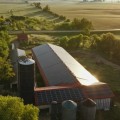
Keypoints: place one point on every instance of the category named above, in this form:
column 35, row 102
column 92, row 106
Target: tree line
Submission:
column 76, row 24
column 6, row 71
column 105, row 44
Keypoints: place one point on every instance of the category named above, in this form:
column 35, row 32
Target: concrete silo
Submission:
column 69, row 109
column 26, row 76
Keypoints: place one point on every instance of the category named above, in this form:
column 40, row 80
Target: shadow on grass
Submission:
column 32, row 14
column 26, row 9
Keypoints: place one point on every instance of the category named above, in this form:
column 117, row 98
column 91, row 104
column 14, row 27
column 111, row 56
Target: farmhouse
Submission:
column 66, row 79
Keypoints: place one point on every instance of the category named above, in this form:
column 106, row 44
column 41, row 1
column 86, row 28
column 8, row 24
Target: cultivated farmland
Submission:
column 102, row 15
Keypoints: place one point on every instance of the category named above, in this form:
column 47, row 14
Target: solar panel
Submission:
column 54, row 69
column 60, row 67
column 59, row 95
column 81, row 74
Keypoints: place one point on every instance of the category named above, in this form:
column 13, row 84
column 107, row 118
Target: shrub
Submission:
column 14, row 109
column 46, row 8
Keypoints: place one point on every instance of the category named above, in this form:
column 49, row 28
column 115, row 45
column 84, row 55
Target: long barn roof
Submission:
column 58, row 67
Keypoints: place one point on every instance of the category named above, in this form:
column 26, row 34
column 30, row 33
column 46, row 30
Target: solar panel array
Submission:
column 81, row 74
column 52, row 66
column 59, row 95
column 60, row 67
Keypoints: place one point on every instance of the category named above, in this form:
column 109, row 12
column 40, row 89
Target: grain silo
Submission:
column 26, row 76
column 69, row 109
column 88, row 109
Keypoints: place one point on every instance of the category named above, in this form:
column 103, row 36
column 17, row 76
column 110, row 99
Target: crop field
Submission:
column 102, row 15
column 18, row 9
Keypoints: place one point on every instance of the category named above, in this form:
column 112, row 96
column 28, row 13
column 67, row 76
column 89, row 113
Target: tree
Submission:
column 106, row 43
column 86, row 24
column 37, row 5
column 46, row 8
column 86, row 41
column 4, row 50
column 6, row 71
column 4, row 43
column 64, row 41
column 31, row 113
column 12, row 108
column 64, row 26
column 94, row 41
column 76, row 24
column 4, row 36
column 75, row 41
column 11, row 12
column 82, row 24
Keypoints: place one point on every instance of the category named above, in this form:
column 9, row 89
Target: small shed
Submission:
column 22, row 37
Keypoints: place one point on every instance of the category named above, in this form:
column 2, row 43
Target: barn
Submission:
column 67, row 79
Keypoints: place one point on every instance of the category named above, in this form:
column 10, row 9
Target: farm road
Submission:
column 60, row 31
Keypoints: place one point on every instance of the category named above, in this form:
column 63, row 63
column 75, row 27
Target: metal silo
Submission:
column 26, row 76
column 69, row 109
column 88, row 109
column 53, row 115
column 55, row 111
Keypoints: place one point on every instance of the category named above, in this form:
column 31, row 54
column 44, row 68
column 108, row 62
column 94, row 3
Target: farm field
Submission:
column 102, row 15
column 18, row 9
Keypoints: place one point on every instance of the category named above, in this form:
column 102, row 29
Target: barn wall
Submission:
column 103, row 104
